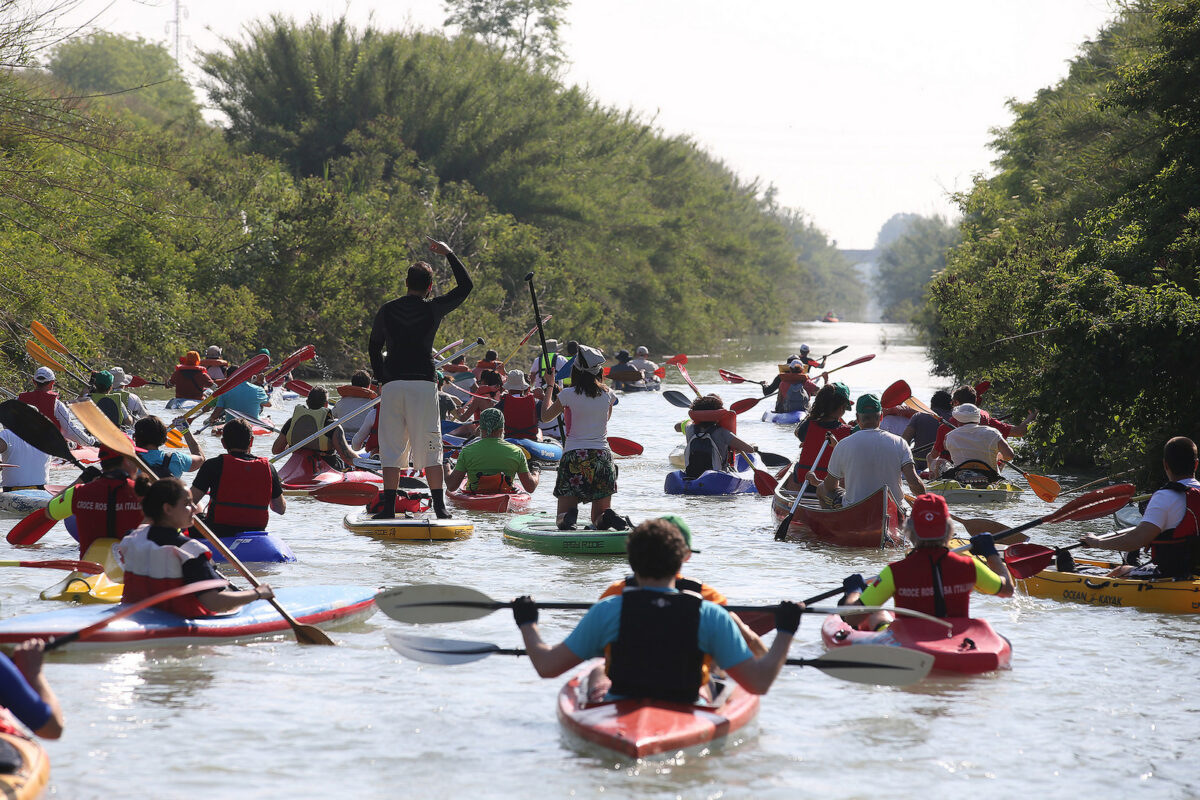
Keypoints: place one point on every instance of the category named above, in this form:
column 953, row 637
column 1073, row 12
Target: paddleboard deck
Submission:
column 540, row 532
column 423, row 527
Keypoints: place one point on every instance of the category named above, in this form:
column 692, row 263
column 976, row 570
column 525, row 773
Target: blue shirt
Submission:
column 177, row 462
column 719, row 637
column 20, row 698
column 246, row 398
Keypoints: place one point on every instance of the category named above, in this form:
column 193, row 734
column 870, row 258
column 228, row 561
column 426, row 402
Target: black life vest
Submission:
column 657, row 652
column 1176, row 551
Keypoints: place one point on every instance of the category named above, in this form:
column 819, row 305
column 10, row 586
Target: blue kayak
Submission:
column 540, row 451
column 152, row 627
column 261, row 546
column 783, row 417
column 712, row 482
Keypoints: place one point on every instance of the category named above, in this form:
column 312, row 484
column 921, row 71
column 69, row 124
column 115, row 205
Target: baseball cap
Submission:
column 684, row 528
column 795, row 362
column 491, row 420
column 43, row 375
column 929, row 516
column 804, row 348
column 213, row 352
column 967, row 412
column 642, row 350
column 843, row 390
column 868, row 404
column 103, row 380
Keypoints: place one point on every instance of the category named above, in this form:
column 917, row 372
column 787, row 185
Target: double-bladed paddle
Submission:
column 677, row 398
column 279, row 374
column 731, row 377
column 302, row 388
column 137, row 382
column 833, row 352
column 524, row 339
column 236, row 378
column 781, row 531
column 1045, row 488
column 40, row 356
column 688, row 378
column 679, row 358
column 624, row 447
column 49, row 340
column 348, row 493
column 860, row 360
column 70, row 565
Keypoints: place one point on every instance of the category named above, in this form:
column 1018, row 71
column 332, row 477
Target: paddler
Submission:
column 642, row 363
column 868, row 459
column 45, row 399
column 408, row 413
column 216, row 366
column 26, row 694
column 106, row 507
column 150, row 433
column 488, row 389
column 353, row 397
column 247, row 398
column 491, row 465
column 654, row 636
column 711, row 441
column 548, row 363
column 521, row 408
column 974, row 448
column 1170, row 525
column 159, row 556
column 930, row 579
column 489, row 361
column 134, row 403
column 244, row 488
column 922, row 428
column 111, row 399
column 967, row 394
column 795, row 387
column 190, row 379
column 824, row 419
column 29, row 466
column 624, row 371
column 306, row 420
column 598, row 681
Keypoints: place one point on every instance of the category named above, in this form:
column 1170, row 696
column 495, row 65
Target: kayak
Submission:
column 871, row 522
column 971, row 646
column 180, row 404
column 676, row 458
column 539, row 532
column 544, row 451
column 257, row 430
column 498, row 502
column 955, row 492
column 637, row 386
column 24, row 764
column 1174, row 597
column 256, row 546
column 309, row 605
column 638, row 727
column 423, row 527
column 22, row 502
column 712, row 482
column 783, row 417
column 305, row 470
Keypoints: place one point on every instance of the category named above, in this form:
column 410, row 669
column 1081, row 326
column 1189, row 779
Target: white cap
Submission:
column 43, row 375
column 804, row 348
column 643, row 351
column 967, row 412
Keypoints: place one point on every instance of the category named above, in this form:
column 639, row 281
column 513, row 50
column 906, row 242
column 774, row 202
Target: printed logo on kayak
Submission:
column 1091, row 599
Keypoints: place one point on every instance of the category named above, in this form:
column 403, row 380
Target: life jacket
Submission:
column 657, row 651
column 793, row 392
column 935, row 581
column 44, row 402
column 356, row 391
column 520, row 416
column 481, row 365
column 187, row 387
column 456, row 368
column 113, row 406
column 106, row 507
column 242, row 498
column 814, row 437
column 542, row 363
column 497, row 483
column 152, row 568
column 1177, row 551
column 217, row 368
column 307, row 421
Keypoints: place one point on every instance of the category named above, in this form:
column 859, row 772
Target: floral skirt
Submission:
column 587, row 475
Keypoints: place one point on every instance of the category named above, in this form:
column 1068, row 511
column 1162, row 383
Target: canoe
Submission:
column 305, row 471
column 424, row 527
column 539, row 532
column 783, row 417
column 152, row 627
column 1173, row 597
column 499, row 502
column 712, row 482
column 180, row 404
column 25, row 763
column 955, row 492
column 971, row 647
column 637, row 386
column 871, row 522
column 544, row 451
column 637, row 728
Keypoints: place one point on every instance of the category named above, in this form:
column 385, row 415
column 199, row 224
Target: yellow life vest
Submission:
column 307, row 421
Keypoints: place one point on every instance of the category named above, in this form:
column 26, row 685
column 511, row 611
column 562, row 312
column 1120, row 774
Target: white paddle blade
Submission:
column 431, row 650
column 427, row 603
column 875, row 664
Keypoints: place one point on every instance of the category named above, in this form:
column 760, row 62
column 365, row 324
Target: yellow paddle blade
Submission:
column 43, row 335
column 175, row 439
column 1045, row 488
column 42, row 357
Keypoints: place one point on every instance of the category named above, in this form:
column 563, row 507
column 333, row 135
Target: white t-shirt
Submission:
column 1166, row 507
column 586, row 419
column 33, row 466
column 974, row 442
column 868, row 459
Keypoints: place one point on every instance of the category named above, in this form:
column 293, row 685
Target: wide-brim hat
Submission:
column 515, row 382
column 120, row 379
column 967, row 412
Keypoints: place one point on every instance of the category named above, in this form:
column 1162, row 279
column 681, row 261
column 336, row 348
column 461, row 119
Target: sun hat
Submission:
column 589, row 359
column 515, row 382
column 43, row 375
column 868, row 404
column 120, row 379
column 967, row 412
column 929, row 516
column 622, row 356
column 213, row 352
column 491, row 420
column 642, row 350
column 684, row 528
column 102, row 380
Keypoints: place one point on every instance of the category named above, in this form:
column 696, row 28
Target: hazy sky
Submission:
column 853, row 111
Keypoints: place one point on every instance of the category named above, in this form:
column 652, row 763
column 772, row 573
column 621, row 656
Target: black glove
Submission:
column 854, row 583
column 89, row 474
column 524, row 610
column 787, row 616
column 984, row 545
column 535, row 467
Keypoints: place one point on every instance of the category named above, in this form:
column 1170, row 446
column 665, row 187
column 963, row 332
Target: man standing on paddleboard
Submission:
column 404, row 329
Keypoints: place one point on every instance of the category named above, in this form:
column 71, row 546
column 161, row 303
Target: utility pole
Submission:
column 175, row 27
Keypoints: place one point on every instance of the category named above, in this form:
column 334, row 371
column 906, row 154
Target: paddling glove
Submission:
column 984, row 545
column 854, row 583
column 787, row 617
column 524, row 610
column 89, row 474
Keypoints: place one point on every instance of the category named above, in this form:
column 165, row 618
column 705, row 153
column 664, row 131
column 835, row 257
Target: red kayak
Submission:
column 871, row 522
column 500, row 502
column 306, row 470
column 971, row 646
column 257, row 430
column 639, row 728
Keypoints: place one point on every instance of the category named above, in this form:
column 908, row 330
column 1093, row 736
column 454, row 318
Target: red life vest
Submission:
column 722, row 416
column 456, row 368
column 107, row 506
column 814, row 437
column 43, row 402
column 481, row 365
column 520, row 416
column 242, row 498
column 917, row 574
column 1176, row 551
column 152, row 568
column 356, row 391
column 187, row 386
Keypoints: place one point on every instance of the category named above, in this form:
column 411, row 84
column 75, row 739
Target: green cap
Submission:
column 441, row 376
column 102, row 380
column 868, row 404
column 684, row 528
column 843, row 391
column 491, row 420
column 265, row 351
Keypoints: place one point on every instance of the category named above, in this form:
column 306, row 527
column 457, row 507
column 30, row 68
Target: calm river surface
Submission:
column 1087, row 708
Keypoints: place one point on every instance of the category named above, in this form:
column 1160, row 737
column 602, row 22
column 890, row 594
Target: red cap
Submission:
column 929, row 516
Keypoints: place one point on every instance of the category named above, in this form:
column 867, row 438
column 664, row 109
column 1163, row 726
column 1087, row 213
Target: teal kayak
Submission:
column 539, row 532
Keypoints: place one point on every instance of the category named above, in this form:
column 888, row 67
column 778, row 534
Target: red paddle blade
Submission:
column 677, row 359
column 895, row 394
column 661, row 372
column 348, row 493
column 1026, row 560
column 290, row 363
column 745, row 404
column 982, row 387
column 244, row 373
column 730, row 377
column 70, row 565
column 137, row 382
column 31, row 529
column 624, row 447
column 687, row 378
column 764, row 482
column 299, row 387
column 1093, row 505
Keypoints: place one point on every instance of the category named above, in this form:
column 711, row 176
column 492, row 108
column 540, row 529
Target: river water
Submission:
column 1079, row 713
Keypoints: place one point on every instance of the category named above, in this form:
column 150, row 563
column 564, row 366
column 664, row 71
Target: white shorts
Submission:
column 408, row 420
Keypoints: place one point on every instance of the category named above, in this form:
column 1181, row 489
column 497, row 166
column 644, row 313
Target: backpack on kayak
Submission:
column 701, row 453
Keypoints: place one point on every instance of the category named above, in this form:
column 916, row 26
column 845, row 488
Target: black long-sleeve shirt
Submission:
column 406, row 328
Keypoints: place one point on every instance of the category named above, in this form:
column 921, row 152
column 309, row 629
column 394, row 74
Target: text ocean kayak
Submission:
column 970, row 647
column 1175, row 597
column 539, row 532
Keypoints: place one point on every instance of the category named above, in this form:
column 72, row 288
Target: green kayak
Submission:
column 539, row 532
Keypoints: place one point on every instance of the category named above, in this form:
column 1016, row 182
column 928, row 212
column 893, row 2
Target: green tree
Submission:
column 521, row 28
column 909, row 262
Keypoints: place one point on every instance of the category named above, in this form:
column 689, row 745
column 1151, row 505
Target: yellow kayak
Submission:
column 955, row 492
column 80, row 587
column 1176, row 597
column 29, row 765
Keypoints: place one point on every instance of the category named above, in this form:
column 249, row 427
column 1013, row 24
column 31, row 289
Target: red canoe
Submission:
column 872, row 522
column 971, row 646
column 639, row 728
column 500, row 502
column 305, row 470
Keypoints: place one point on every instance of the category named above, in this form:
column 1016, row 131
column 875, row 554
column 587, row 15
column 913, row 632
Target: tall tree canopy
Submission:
column 909, row 262
column 521, row 28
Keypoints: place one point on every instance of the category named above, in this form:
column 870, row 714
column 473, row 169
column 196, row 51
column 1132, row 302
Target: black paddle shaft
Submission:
column 546, row 363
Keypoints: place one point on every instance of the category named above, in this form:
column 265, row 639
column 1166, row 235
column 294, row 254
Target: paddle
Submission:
column 110, row 435
column 236, row 378
column 1089, row 484
column 70, row 565
column 864, row 663
column 279, row 374
column 895, row 394
column 137, row 382
column 677, row 398
column 773, row 460
column 525, row 339
column 1026, row 560
column 624, row 447
column 747, row 403
column 39, row 355
column 781, row 531
column 299, row 387
column 450, row 346
column 125, row 610
column 43, row 335
column 861, row 360
column 262, row 423
column 730, row 377
column 764, row 482
column 545, row 362
column 348, row 493
column 832, row 353
column 680, row 358
column 1045, row 488
column 687, row 378
column 981, row 388
column 975, row 525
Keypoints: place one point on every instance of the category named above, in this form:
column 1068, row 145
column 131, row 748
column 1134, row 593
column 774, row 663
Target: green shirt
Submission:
column 489, row 456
